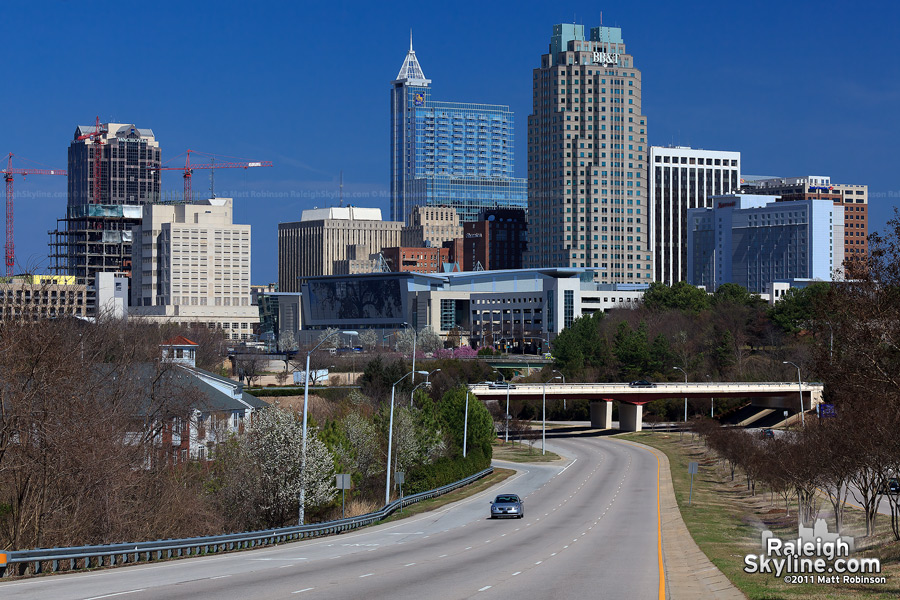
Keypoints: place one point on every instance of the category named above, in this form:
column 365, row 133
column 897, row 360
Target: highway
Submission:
column 590, row 530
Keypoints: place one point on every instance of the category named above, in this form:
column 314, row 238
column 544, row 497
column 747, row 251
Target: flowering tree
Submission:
column 360, row 451
column 273, row 458
column 368, row 339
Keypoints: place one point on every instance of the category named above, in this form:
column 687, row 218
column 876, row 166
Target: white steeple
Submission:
column 411, row 72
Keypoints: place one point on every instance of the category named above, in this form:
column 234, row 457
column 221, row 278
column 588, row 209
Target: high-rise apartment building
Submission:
column 456, row 154
column 682, row 178
column 95, row 235
column 854, row 199
column 587, row 158
column 192, row 266
column 754, row 240
column 327, row 241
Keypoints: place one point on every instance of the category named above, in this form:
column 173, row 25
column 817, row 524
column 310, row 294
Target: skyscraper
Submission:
column 95, row 235
column 587, row 153
column 455, row 154
column 682, row 178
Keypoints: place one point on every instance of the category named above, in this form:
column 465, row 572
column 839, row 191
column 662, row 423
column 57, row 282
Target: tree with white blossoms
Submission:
column 273, row 453
column 429, row 340
column 368, row 338
column 287, row 340
column 329, row 338
column 404, row 340
column 360, row 453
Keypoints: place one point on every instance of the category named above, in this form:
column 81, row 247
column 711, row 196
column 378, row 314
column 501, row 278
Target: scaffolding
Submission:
column 93, row 238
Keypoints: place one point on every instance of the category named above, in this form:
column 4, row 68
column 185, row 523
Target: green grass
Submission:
column 726, row 522
column 521, row 452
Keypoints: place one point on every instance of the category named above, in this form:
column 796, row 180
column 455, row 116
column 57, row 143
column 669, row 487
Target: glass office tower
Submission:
column 455, row 154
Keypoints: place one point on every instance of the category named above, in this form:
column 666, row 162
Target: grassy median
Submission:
column 726, row 521
column 519, row 452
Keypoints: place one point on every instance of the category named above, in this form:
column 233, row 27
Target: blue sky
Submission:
column 799, row 88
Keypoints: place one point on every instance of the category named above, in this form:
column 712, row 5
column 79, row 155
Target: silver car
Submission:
column 507, row 505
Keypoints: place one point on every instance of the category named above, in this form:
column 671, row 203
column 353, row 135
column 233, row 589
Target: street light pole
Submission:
column 301, row 510
column 544, row 419
column 685, row 398
column 800, row 389
column 711, row 400
column 387, row 485
column 466, row 425
column 564, row 381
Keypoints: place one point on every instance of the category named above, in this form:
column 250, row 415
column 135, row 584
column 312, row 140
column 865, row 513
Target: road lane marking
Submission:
column 487, row 587
column 366, row 575
column 409, row 565
column 116, row 594
column 303, row 590
column 220, row 577
column 442, row 555
column 659, row 552
column 538, row 562
column 517, row 573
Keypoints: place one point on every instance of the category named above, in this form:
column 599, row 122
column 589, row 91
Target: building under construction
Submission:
column 113, row 171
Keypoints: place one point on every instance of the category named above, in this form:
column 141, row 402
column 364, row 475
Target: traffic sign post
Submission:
column 400, row 477
column 342, row 483
column 692, row 468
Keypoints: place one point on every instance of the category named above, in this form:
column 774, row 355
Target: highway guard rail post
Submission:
column 24, row 562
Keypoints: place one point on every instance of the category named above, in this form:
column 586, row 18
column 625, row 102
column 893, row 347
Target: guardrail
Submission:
column 33, row 562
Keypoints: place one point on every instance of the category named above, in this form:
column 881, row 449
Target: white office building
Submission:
column 682, row 178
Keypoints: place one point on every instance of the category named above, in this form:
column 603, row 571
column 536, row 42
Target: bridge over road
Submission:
column 631, row 399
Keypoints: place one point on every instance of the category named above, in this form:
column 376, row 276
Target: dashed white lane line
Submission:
column 468, row 547
column 116, row 594
column 366, row 575
column 303, row 590
column 220, row 577
column 517, row 573
column 538, row 562
column 487, row 587
column 409, row 565
column 442, row 556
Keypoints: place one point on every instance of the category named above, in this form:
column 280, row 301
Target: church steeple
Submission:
column 411, row 72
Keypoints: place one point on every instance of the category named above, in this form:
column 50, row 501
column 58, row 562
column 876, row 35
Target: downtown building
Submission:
column 95, row 235
column 755, row 240
column 853, row 198
column 683, row 178
column 192, row 267
column 588, row 201
column 332, row 241
column 454, row 154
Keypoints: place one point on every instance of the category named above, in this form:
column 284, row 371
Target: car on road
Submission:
column 507, row 505
column 892, row 486
column 501, row 385
column 768, row 433
column 642, row 383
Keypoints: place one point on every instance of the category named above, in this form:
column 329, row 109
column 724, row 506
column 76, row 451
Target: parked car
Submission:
column 507, row 505
column 642, row 383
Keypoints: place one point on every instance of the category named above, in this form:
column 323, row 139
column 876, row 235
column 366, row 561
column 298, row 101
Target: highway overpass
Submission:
column 631, row 399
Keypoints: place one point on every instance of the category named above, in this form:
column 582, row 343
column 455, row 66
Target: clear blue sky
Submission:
column 799, row 88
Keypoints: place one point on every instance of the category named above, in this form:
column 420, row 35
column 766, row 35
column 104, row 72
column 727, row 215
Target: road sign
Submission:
column 342, row 483
column 400, row 477
column 827, row 411
column 692, row 467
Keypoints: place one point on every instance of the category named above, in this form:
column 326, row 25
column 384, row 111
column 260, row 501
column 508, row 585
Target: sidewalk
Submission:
column 689, row 574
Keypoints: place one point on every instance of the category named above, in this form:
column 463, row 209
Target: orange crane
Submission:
column 189, row 168
column 8, row 173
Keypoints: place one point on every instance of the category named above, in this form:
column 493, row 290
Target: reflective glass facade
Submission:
column 449, row 153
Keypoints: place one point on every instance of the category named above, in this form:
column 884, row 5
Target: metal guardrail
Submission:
column 36, row 561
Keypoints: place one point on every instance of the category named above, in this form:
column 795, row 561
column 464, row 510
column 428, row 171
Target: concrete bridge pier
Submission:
column 630, row 416
column 601, row 414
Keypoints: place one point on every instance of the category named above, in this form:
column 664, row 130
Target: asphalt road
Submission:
column 590, row 530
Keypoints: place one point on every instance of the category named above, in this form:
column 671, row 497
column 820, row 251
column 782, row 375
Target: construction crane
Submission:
column 8, row 173
column 189, row 168
column 97, row 138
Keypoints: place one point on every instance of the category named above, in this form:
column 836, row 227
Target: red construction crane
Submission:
column 8, row 173
column 97, row 138
column 188, row 168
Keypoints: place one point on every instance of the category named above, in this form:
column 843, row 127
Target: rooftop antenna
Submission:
column 342, row 189
column 601, row 18
column 410, row 39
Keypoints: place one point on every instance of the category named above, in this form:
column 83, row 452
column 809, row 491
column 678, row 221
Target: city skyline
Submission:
column 773, row 85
